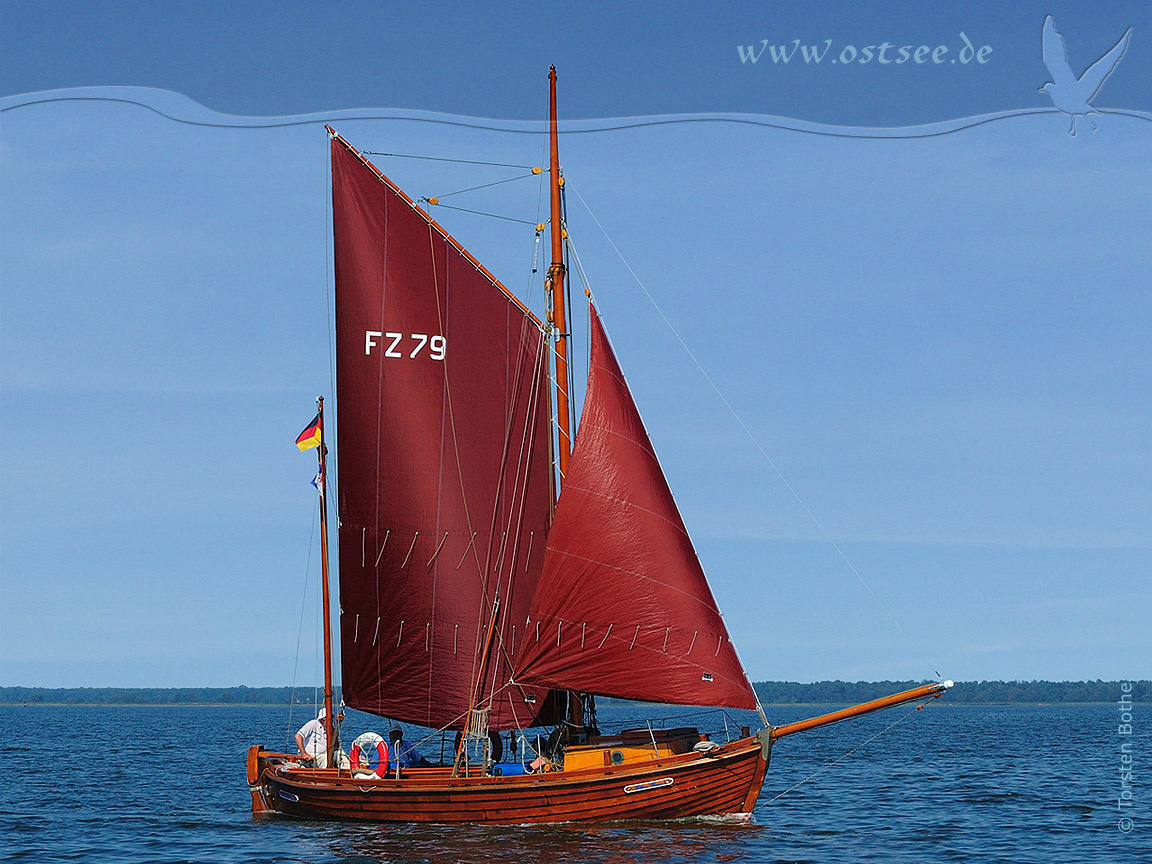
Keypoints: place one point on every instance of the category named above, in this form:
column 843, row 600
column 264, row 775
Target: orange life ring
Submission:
column 366, row 744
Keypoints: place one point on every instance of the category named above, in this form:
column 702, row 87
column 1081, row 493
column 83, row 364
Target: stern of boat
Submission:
column 259, row 761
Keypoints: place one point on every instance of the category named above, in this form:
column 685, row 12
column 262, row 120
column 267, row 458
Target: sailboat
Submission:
column 497, row 573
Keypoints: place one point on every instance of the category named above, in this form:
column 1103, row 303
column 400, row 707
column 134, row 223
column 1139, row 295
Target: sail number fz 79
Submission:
column 401, row 345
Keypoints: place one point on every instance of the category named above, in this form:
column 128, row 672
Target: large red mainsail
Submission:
column 623, row 607
column 444, row 486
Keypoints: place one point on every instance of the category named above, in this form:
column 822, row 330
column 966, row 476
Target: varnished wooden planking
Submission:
column 724, row 783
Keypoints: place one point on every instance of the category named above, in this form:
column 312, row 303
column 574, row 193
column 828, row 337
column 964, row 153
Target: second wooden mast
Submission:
column 330, row 726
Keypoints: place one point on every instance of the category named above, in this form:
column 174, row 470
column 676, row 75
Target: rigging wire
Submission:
column 516, row 507
column 533, row 168
column 755, row 441
column 844, row 756
column 536, row 242
column 329, row 307
column 331, row 478
column 481, row 569
column 437, row 203
column 568, row 321
column 436, row 198
column 300, row 628
column 540, row 223
column 535, row 265
column 575, row 257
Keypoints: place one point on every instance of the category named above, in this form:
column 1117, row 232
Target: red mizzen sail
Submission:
column 623, row 607
column 444, row 486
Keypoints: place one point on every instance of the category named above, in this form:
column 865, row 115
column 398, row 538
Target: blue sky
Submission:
column 939, row 341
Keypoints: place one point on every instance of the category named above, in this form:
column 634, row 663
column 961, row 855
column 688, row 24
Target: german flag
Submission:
column 310, row 437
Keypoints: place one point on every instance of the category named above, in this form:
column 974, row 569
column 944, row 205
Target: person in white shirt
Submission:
column 312, row 741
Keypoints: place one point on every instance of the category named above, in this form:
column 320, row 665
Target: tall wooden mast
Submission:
column 559, row 336
column 322, row 453
column 556, row 283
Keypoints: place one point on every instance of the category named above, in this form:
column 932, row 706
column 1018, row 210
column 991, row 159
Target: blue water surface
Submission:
column 949, row 783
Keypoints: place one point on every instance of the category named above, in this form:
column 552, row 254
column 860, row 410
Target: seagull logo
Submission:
column 1070, row 94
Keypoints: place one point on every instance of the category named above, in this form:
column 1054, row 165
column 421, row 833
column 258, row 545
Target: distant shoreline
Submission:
column 780, row 693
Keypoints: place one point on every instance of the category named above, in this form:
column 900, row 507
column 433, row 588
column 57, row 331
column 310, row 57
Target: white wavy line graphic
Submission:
column 177, row 108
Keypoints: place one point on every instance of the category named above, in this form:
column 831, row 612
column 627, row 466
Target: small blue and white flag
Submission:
column 318, row 482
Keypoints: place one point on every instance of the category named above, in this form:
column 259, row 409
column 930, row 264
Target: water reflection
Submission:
column 727, row 839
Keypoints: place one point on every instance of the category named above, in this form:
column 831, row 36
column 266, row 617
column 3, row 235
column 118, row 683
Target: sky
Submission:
column 887, row 326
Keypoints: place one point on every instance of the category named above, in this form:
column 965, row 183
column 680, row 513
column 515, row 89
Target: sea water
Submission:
column 1037, row 783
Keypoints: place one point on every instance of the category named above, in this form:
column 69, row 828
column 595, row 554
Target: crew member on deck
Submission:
column 312, row 741
column 403, row 757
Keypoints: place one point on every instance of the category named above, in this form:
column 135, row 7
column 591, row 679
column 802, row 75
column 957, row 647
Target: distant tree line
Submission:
column 846, row 692
column 159, row 695
column 770, row 692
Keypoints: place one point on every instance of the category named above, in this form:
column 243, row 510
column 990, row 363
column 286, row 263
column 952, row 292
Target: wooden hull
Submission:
column 688, row 784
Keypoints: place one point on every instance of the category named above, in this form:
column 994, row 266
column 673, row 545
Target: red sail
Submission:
column 623, row 608
column 444, row 487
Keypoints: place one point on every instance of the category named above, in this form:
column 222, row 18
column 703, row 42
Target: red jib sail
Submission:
column 444, row 487
column 623, row 608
